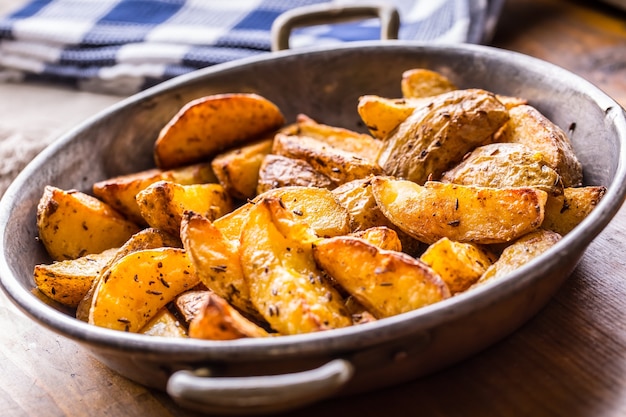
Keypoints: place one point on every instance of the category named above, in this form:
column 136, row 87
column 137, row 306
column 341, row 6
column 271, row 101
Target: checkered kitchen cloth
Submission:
column 124, row 46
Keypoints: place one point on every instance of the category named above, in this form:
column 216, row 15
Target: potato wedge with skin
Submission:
column 382, row 115
column 207, row 126
column 528, row 126
column 338, row 165
column 218, row 320
column 136, row 287
column 72, row 224
column 502, row 165
column 387, row 283
column 144, row 239
column 436, row 136
column 566, row 211
column 162, row 204
column 188, row 303
column 518, row 253
column 217, row 261
column 285, row 284
column 422, row 82
column 68, row 281
column 164, row 324
column 238, row 169
column 361, row 144
column 459, row 264
column 280, row 171
column 461, row 213
column 120, row 191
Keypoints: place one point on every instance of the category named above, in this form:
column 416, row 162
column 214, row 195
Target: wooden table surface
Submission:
column 570, row 360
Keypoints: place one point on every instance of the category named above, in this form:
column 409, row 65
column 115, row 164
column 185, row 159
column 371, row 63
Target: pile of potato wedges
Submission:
column 250, row 226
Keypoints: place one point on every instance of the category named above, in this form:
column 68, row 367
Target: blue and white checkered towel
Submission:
column 123, row 46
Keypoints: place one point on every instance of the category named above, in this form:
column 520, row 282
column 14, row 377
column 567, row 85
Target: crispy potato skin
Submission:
column 528, row 126
column 386, row 282
column 285, row 284
column 238, row 169
column 436, row 136
column 280, row 171
column 72, row 224
column 137, row 286
column 207, row 126
column 462, row 213
column 518, row 253
column 503, row 165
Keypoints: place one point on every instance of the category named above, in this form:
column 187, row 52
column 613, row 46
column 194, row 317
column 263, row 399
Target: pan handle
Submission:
column 258, row 394
column 325, row 13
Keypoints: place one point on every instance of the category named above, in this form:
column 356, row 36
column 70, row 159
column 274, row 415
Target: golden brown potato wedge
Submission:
column 238, row 169
column 461, row 213
column 422, row 82
column 518, row 253
column 382, row 115
column 189, row 302
column 358, row 143
column 280, row 171
column 136, row 287
column 148, row 238
column 531, row 128
column 68, row 281
column 566, row 211
column 164, row 324
column 218, row 320
column 216, row 261
column 435, row 137
column 207, row 126
column 459, row 264
column 338, row 165
column 120, row 191
column 387, row 283
column 285, row 284
column 162, row 204
column 72, row 224
column 503, row 165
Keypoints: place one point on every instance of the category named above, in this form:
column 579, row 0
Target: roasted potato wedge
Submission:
column 459, row 264
column 216, row 261
column 238, row 169
column 285, row 284
column 120, row 191
column 566, row 211
column 350, row 141
column 136, row 287
column 518, row 253
column 148, row 238
column 280, row 171
column 382, row 115
column 338, row 165
column 387, row 283
column 502, row 165
column 380, row 236
column 528, row 126
column 216, row 319
column 162, row 204
column 72, row 224
column 422, row 82
column 164, row 324
column 461, row 213
column 68, row 281
column 189, row 302
column 435, row 137
column 209, row 125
